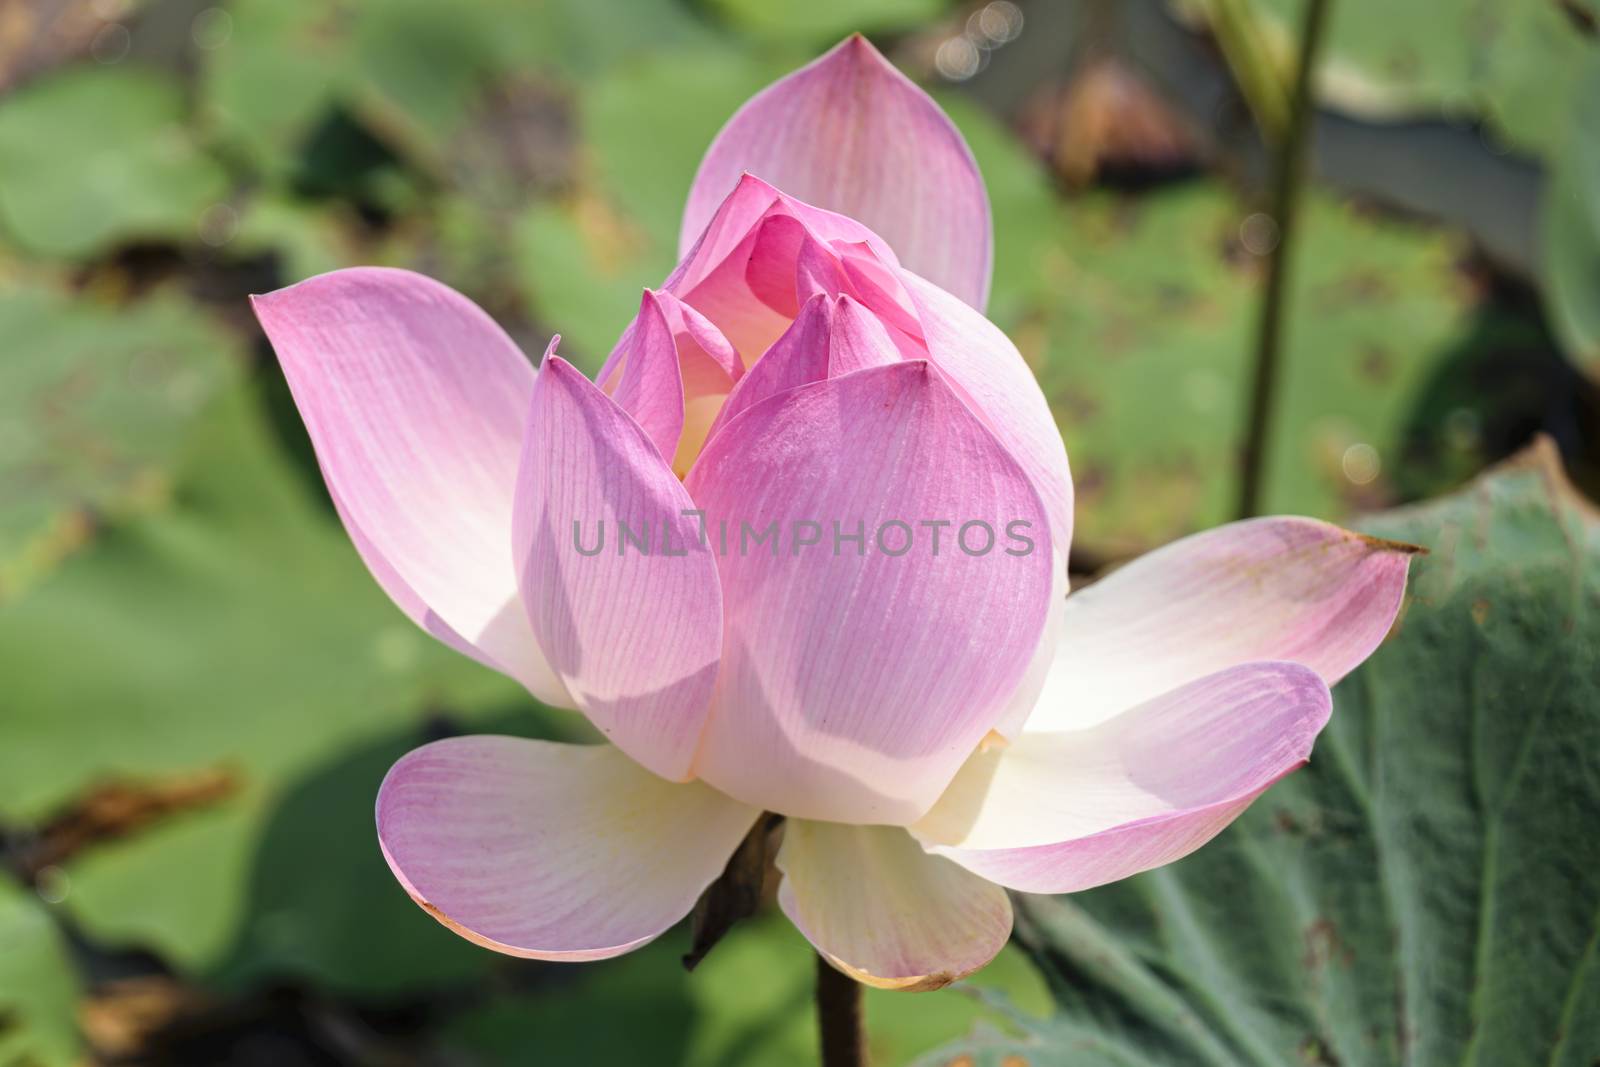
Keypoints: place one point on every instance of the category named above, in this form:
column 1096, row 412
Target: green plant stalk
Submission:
column 1289, row 168
column 839, row 1017
column 1259, row 79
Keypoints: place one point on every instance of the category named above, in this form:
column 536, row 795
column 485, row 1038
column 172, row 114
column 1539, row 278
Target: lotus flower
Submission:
column 936, row 720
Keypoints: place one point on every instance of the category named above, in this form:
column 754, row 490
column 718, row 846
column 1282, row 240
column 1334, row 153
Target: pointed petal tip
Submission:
column 748, row 181
column 858, row 48
column 853, row 104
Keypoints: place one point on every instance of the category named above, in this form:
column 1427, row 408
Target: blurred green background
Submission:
column 200, row 686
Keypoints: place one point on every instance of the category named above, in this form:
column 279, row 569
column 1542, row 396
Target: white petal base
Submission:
column 883, row 911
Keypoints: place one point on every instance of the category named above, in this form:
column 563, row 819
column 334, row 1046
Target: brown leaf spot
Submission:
column 1325, row 947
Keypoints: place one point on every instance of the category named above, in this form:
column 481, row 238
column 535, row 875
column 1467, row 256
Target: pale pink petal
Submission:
column 831, row 336
column 854, row 684
column 749, row 201
column 884, row 911
column 877, row 285
column 649, row 383
column 851, row 134
column 706, row 368
column 860, row 340
column 992, row 377
column 1023, row 702
column 415, row 402
column 817, row 271
column 746, row 204
column 775, row 253
column 548, row 851
column 801, row 355
column 633, row 630
column 749, row 295
column 1060, row 812
column 1271, row 588
column 748, row 281
column 706, row 354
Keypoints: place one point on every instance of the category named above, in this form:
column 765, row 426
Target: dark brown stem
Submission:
column 1288, row 180
column 736, row 894
column 844, row 1039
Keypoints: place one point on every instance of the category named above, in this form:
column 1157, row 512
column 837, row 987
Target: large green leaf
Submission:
column 412, row 69
column 234, row 631
column 38, row 985
column 1107, row 293
column 1571, row 229
column 266, row 86
column 90, row 157
column 1027, row 218
column 648, row 124
column 1158, row 289
column 94, row 401
column 581, row 38
column 1428, row 890
column 415, row 71
column 1514, row 64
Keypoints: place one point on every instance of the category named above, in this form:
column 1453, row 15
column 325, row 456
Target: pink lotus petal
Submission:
column 548, row 851
column 775, row 251
column 706, row 355
column 752, row 281
column 854, row 685
column 829, row 338
column 1272, row 588
column 1060, row 812
column 860, row 340
column 990, row 374
column 633, row 631
column 707, row 366
column 649, row 383
column 884, row 911
column 800, row 356
column 877, row 285
column 817, row 272
column 851, row 134
column 748, row 202
column 1021, row 707
column 415, row 402
column 700, row 345
column 749, row 294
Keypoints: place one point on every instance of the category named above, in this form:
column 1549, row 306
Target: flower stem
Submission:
column 839, row 1017
column 1289, row 165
